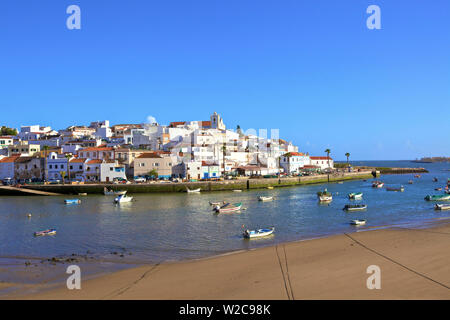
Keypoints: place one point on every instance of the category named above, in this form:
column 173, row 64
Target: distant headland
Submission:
column 432, row 159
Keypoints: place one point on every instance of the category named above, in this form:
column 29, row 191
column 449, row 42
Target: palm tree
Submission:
column 328, row 151
column 224, row 150
column 347, row 155
column 45, row 162
column 68, row 156
column 63, row 174
column 153, row 173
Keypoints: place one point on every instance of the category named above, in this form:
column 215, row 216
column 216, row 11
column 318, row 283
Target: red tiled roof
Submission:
column 100, row 148
column 295, row 154
column 206, row 164
column 177, row 123
column 206, row 123
column 320, row 158
column 149, row 155
column 9, row 159
column 6, row 137
column 95, row 161
column 80, row 160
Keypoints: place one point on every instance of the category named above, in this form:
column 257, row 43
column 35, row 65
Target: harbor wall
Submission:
column 242, row 184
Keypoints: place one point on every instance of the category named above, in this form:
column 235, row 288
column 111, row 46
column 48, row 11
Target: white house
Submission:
column 292, row 162
column 322, row 162
column 55, row 164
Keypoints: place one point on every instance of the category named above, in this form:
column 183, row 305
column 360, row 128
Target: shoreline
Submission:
column 205, row 186
column 175, row 278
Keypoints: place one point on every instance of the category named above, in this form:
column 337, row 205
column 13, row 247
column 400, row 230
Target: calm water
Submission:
column 158, row 228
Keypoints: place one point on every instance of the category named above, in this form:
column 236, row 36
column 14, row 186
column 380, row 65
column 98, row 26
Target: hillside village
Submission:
column 185, row 150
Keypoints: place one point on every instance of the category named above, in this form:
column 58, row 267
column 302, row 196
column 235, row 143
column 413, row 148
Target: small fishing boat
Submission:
column 110, row 192
column 72, row 201
column 324, row 196
column 438, row 189
column 261, row 198
column 442, row 206
column 355, row 207
column 440, row 197
column 237, row 190
column 355, row 195
column 377, row 184
column 270, row 188
column 228, row 207
column 417, row 176
column 82, row 194
column 401, row 189
column 410, row 182
column 358, row 222
column 340, row 182
column 48, row 232
column 435, row 179
column 123, row 198
column 217, row 203
column 259, row 233
column 193, row 190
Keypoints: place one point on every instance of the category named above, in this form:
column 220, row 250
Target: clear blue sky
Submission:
column 310, row 68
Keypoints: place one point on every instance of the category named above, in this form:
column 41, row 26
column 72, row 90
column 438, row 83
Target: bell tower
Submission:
column 217, row 122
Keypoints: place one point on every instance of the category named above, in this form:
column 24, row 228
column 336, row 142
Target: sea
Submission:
column 102, row 237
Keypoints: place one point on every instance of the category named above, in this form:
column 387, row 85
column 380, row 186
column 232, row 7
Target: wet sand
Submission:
column 414, row 263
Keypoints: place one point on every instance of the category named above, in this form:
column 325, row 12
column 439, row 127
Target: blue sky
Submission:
column 311, row 68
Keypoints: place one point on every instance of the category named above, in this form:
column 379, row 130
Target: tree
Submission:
column 63, row 174
column 68, row 156
column 328, row 151
column 5, row 131
column 153, row 173
column 45, row 162
column 224, row 150
column 239, row 130
column 347, row 155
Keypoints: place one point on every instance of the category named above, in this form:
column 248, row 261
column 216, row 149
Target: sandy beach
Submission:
column 414, row 264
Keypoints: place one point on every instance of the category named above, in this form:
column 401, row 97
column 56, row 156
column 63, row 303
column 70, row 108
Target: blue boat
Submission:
column 258, row 233
column 72, row 201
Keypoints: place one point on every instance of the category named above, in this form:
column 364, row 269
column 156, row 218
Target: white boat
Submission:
column 378, row 184
column 358, row 222
column 250, row 234
column 216, row 203
column 261, row 198
column 193, row 190
column 442, row 206
column 355, row 195
column 108, row 192
column 324, row 196
column 48, row 232
column 123, row 198
column 237, row 190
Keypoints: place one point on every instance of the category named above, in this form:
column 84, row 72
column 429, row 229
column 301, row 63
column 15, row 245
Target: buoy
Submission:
column 29, row 215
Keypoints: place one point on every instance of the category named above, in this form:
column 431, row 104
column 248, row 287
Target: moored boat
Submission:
column 355, row 195
column 439, row 197
column 435, row 179
column 237, row 190
column 193, row 190
column 261, row 198
column 123, row 198
column 228, row 207
column 438, row 189
column 250, row 234
column 377, row 184
column 324, row 196
column 410, row 182
column 401, row 189
column 72, row 201
column 110, row 192
column 358, row 222
column 355, row 207
column 216, row 203
column 47, row 232
column 442, row 206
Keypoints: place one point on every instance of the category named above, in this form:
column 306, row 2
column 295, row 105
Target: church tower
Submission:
column 217, row 122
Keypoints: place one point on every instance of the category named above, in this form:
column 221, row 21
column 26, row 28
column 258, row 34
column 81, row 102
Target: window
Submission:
column 81, row 167
column 50, row 166
column 111, row 169
column 71, row 167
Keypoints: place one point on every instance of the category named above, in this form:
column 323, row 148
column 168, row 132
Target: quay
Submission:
column 8, row 190
column 226, row 185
